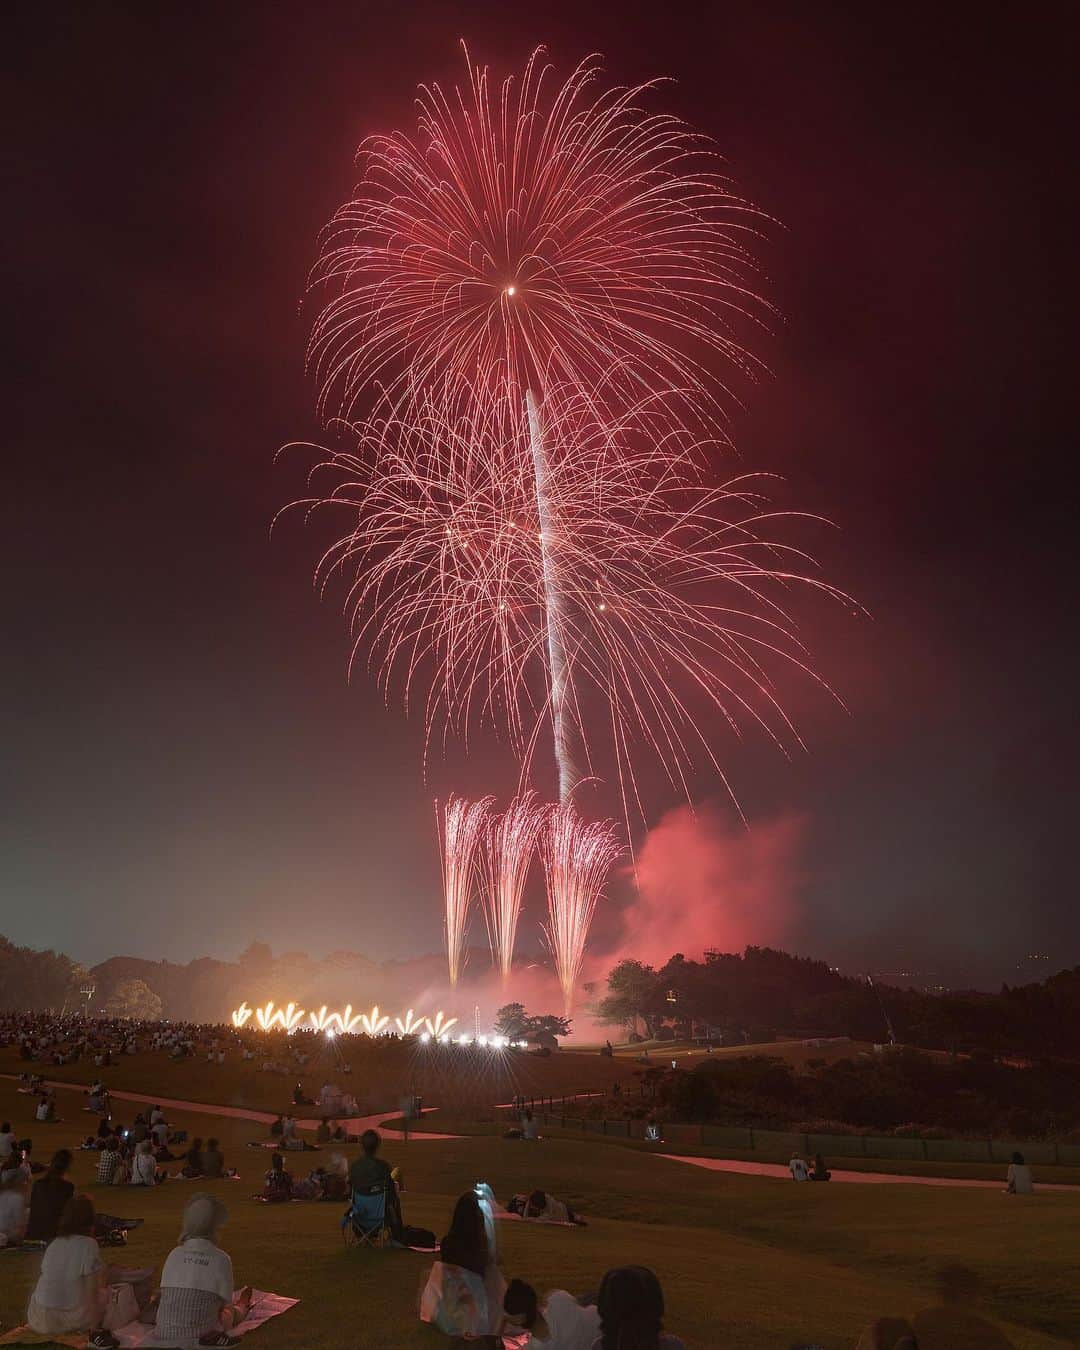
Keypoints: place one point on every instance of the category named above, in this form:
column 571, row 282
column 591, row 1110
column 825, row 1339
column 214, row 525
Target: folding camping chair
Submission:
column 365, row 1219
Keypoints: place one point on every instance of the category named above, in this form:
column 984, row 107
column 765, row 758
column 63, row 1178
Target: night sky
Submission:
column 185, row 767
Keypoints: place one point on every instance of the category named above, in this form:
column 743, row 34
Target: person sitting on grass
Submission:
column 48, row 1196
column 198, row 1305
column 560, row 1322
column 1019, row 1180
column 820, row 1172
column 369, row 1171
column 108, row 1161
column 193, row 1160
column 7, row 1143
column 530, row 1127
column 212, row 1161
column 464, row 1293
column 276, row 1127
column 12, row 1207
column 144, row 1170
column 798, row 1168
column 322, row 1133
column 888, row 1333
column 335, row 1178
column 631, row 1308
column 277, row 1186
column 70, row 1295
column 46, row 1109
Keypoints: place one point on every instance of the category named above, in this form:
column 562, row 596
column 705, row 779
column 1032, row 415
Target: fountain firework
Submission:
column 578, row 855
column 461, row 829
column 508, row 849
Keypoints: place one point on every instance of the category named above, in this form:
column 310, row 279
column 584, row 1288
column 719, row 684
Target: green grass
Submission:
column 381, row 1074
column 744, row 1262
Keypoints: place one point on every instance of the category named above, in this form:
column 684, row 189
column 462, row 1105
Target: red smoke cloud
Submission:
column 704, row 881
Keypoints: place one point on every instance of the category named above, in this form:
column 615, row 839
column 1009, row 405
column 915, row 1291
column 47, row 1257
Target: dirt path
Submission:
column 778, row 1172
column 356, row 1124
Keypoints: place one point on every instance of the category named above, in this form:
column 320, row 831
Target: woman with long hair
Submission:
column 631, row 1307
column 464, row 1293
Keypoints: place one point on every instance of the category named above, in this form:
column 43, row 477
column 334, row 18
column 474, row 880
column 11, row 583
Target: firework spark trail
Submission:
column 673, row 597
column 509, row 846
column 461, row 829
column 577, row 855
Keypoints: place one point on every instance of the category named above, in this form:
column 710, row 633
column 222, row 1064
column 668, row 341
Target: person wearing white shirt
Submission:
column 198, row 1305
column 13, row 1208
column 7, row 1143
column 559, row 1323
column 143, row 1167
column 1019, row 1180
column 798, row 1168
column 69, row 1294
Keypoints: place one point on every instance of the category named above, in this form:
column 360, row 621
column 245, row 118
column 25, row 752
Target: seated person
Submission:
column 1019, row 1180
column 820, row 1172
column 888, row 1333
column 193, row 1160
column 369, row 1171
column 276, row 1127
column 464, row 1293
column 322, row 1134
column 12, row 1206
column 560, row 1322
column 105, row 1129
column 798, row 1168
column 139, row 1130
column 198, row 1305
column 277, row 1185
column 7, row 1142
column 213, row 1161
column 144, row 1170
column 530, row 1127
column 108, row 1161
column 631, row 1308
column 70, row 1295
column 541, row 1205
column 335, row 1178
column 48, row 1197
column 46, row 1109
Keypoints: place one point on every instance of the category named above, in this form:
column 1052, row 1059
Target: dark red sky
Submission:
column 184, row 767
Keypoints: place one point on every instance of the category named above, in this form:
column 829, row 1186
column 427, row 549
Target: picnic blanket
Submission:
column 263, row 1306
column 25, row 1336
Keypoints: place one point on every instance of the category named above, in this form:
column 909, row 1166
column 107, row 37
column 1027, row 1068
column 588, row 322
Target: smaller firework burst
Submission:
column 461, row 829
column 510, row 842
column 578, row 856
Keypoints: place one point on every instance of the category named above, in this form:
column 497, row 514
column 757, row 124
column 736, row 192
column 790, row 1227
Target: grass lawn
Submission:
column 745, row 1262
column 381, row 1075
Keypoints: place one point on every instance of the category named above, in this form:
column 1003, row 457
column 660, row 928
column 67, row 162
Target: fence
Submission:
column 781, row 1144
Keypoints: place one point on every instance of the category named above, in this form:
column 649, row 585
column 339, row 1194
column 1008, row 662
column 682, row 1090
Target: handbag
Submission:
column 121, row 1306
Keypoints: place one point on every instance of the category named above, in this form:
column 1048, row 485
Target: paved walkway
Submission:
column 779, row 1172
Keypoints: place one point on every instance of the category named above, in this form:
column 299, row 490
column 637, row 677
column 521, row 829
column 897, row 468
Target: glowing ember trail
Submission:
column 578, row 856
column 508, row 849
column 461, row 830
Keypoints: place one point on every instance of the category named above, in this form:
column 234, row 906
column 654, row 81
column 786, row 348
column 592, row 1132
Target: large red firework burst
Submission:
column 532, row 233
